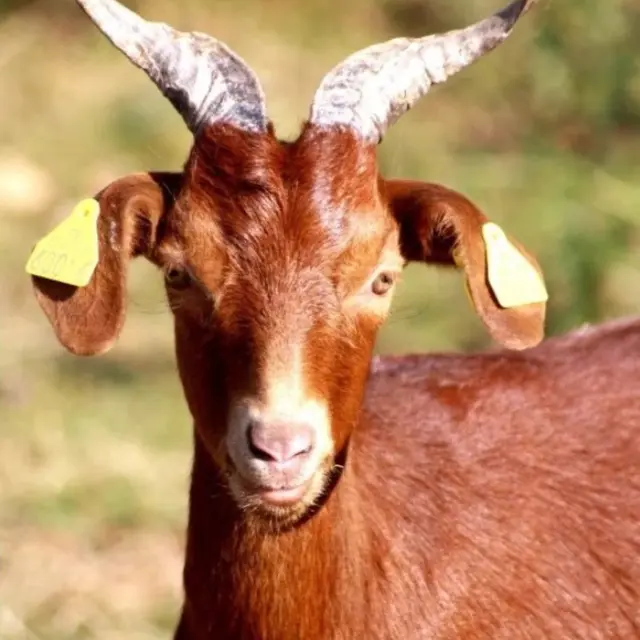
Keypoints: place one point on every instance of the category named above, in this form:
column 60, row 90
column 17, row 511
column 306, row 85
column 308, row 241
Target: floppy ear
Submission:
column 87, row 320
column 441, row 226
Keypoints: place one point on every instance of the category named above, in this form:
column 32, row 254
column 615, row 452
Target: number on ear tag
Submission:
column 69, row 253
column 513, row 279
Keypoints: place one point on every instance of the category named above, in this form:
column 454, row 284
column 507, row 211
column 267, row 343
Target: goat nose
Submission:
column 280, row 443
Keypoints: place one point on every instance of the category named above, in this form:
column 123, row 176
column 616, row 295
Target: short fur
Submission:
column 480, row 496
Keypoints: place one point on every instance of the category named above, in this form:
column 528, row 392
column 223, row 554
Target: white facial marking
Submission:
column 283, row 399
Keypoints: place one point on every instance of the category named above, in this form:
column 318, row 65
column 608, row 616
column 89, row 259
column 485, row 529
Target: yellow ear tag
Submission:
column 69, row 253
column 513, row 279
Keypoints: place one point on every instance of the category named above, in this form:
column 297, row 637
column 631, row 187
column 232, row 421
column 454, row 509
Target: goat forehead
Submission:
column 263, row 188
column 303, row 240
column 272, row 236
column 292, row 235
column 277, row 291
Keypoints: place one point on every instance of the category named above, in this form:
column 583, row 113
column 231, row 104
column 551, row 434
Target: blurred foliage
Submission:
column 544, row 134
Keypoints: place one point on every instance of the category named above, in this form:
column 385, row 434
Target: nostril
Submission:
column 256, row 451
column 279, row 443
column 303, row 450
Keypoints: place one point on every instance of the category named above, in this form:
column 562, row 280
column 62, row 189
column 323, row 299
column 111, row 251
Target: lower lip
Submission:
column 281, row 497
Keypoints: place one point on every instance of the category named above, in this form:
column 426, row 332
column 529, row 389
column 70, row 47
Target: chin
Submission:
column 280, row 507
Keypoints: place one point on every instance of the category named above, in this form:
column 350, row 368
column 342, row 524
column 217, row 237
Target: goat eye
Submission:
column 177, row 278
column 383, row 283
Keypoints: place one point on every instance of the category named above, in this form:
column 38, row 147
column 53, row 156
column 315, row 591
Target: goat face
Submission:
column 280, row 259
column 279, row 272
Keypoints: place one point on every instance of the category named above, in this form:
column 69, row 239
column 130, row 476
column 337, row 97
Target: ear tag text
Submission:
column 69, row 253
column 513, row 279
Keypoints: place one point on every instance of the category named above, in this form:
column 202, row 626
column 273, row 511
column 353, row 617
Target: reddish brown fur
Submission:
column 486, row 496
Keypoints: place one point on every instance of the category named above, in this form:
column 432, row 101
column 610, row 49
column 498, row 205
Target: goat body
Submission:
column 485, row 496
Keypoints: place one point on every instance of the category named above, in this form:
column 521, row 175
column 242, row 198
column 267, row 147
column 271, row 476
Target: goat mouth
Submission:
column 277, row 496
column 282, row 496
column 281, row 502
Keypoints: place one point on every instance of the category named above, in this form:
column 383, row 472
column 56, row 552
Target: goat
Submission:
column 492, row 495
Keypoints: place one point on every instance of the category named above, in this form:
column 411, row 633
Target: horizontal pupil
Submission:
column 176, row 275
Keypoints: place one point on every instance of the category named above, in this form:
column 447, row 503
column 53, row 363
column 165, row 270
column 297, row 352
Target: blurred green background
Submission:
column 544, row 135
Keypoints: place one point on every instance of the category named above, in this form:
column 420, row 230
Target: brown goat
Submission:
column 480, row 496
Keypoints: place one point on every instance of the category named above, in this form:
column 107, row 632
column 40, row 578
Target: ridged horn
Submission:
column 372, row 88
column 203, row 79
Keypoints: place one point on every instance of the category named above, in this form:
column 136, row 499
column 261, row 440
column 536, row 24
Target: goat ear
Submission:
column 87, row 320
column 441, row 226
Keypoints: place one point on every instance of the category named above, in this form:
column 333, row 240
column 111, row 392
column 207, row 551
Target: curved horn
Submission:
column 204, row 80
column 372, row 88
